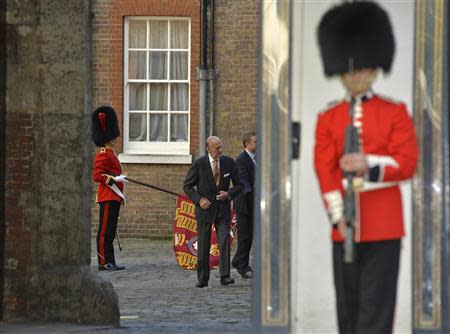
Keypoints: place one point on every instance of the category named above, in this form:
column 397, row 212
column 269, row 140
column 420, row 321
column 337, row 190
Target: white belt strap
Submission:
column 362, row 185
column 116, row 189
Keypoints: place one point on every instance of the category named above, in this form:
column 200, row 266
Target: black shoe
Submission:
column 247, row 275
column 110, row 267
column 201, row 284
column 226, row 280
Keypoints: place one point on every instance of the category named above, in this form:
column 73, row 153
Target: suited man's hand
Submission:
column 204, row 203
column 222, row 196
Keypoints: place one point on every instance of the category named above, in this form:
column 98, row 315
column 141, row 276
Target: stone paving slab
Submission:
column 156, row 296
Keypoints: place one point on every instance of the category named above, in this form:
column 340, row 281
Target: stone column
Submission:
column 48, row 167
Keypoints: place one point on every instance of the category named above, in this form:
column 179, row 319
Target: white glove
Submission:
column 120, row 178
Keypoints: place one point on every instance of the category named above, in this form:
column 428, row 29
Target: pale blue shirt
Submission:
column 252, row 155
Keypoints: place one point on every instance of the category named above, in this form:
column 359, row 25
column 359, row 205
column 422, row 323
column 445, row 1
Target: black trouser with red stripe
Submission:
column 109, row 214
column 366, row 289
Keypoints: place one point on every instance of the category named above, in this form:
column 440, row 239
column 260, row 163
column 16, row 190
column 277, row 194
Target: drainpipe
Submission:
column 202, row 76
column 212, row 71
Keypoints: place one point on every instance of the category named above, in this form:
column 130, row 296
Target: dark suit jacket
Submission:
column 244, row 201
column 199, row 182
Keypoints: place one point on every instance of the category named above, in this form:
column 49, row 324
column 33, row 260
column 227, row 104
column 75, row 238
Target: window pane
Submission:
column 138, row 127
column 136, row 65
column 157, row 66
column 137, row 34
column 178, row 128
column 158, row 35
column 158, row 127
column 179, row 31
column 179, row 65
column 137, row 96
column 179, row 97
column 158, row 97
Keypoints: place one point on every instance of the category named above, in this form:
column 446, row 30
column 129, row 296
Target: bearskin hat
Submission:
column 355, row 35
column 105, row 126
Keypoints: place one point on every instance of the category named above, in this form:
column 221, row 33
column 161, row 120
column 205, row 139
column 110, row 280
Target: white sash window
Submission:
column 156, row 85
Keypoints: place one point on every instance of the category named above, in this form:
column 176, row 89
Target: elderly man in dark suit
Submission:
column 207, row 184
column 243, row 205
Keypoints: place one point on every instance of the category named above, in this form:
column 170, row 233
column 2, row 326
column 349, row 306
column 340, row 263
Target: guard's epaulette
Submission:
column 388, row 99
column 102, row 149
column 330, row 105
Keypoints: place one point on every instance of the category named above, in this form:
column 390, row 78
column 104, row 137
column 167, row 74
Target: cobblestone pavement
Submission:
column 156, row 296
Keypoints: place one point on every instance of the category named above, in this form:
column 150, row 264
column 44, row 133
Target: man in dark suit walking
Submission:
column 207, row 184
column 243, row 205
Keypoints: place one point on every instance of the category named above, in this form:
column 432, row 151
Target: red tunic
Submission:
column 106, row 166
column 387, row 138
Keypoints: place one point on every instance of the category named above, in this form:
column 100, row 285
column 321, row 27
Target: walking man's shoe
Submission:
column 248, row 274
column 201, row 284
column 226, row 280
column 110, row 267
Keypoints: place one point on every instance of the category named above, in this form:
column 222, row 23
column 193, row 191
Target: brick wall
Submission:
column 236, row 58
column 18, row 178
column 147, row 212
column 150, row 212
column 18, row 154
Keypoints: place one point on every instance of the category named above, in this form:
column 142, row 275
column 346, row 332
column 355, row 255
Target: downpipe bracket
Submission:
column 213, row 73
column 201, row 73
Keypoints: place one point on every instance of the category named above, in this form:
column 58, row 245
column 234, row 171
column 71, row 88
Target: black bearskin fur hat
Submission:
column 105, row 126
column 355, row 35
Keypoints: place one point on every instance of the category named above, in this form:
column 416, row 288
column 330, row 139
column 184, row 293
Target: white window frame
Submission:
column 131, row 149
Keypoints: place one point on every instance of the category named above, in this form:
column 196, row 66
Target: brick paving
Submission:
column 156, row 296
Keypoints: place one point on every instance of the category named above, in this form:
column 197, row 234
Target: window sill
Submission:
column 154, row 159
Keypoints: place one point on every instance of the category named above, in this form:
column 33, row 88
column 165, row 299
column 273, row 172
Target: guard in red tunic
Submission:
column 355, row 41
column 108, row 174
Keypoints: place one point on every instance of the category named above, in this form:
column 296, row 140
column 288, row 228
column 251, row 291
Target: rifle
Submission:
column 351, row 146
column 151, row 186
column 146, row 185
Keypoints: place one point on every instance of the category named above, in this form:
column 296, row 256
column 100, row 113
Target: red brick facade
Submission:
column 149, row 213
column 236, row 27
column 19, row 129
column 107, row 41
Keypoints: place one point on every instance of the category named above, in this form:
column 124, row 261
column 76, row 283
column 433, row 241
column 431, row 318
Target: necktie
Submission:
column 216, row 171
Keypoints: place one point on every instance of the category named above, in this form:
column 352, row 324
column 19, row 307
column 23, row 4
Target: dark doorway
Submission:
column 2, row 144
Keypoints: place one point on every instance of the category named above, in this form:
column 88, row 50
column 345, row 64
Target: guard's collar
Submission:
column 360, row 98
